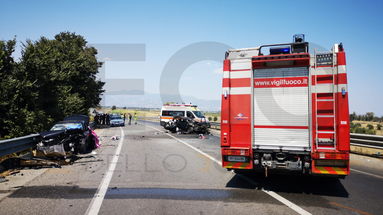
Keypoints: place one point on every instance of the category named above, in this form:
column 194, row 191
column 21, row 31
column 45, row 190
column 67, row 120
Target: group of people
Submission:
column 130, row 118
column 102, row 119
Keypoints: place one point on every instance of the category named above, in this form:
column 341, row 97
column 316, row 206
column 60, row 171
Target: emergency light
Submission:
column 279, row 50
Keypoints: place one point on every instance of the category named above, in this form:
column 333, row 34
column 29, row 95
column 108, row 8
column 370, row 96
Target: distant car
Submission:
column 71, row 135
column 116, row 120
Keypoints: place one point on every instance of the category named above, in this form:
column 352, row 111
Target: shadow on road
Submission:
column 75, row 192
column 314, row 185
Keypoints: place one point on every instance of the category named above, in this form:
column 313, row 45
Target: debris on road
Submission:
column 115, row 138
column 3, row 179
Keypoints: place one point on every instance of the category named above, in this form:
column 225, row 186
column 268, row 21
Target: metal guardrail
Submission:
column 23, row 143
column 18, row 144
column 215, row 125
column 366, row 140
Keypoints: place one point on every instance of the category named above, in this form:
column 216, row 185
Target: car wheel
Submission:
column 83, row 146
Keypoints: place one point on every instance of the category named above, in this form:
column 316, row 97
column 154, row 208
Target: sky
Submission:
column 164, row 28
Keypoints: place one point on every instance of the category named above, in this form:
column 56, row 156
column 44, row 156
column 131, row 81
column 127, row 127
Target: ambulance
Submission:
column 168, row 111
column 285, row 108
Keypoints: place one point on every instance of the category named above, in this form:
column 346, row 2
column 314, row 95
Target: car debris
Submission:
column 115, row 138
column 186, row 125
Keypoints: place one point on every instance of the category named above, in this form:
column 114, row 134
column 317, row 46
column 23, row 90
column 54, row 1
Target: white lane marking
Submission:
column 98, row 198
column 190, row 146
column 273, row 194
column 366, row 173
column 286, row 202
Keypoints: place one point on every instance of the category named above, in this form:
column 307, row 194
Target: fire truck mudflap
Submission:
column 285, row 110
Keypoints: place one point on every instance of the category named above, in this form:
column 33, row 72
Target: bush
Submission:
column 360, row 130
column 369, row 126
column 379, row 127
column 209, row 118
column 114, row 107
column 215, row 119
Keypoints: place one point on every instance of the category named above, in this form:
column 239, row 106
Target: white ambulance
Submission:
column 168, row 111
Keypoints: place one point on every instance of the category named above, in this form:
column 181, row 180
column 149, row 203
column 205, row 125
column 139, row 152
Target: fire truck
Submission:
column 285, row 108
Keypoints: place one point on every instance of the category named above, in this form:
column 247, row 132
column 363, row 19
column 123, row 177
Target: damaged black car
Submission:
column 186, row 125
column 70, row 136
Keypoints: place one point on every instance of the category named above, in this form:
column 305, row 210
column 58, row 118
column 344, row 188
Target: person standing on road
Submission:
column 96, row 119
column 124, row 117
column 130, row 118
column 135, row 118
column 107, row 119
column 102, row 119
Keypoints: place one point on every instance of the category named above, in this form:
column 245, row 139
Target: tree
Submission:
column 369, row 116
column 369, row 126
column 7, row 83
column 353, row 116
column 64, row 72
column 53, row 79
column 379, row 127
column 114, row 107
column 215, row 118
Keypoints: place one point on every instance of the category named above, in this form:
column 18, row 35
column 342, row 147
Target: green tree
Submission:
column 353, row 116
column 64, row 72
column 7, row 83
column 369, row 116
column 17, row 103
column 53, row 79
column 379, row 127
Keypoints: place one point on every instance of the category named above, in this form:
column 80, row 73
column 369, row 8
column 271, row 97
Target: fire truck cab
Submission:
column 284, row 108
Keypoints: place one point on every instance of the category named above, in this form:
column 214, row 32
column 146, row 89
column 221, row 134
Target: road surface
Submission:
column 148, row 171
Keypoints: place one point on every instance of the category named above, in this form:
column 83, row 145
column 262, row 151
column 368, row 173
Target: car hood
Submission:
column 51, row 134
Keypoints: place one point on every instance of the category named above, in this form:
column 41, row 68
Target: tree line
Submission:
column 369, row 116
column 52, row 79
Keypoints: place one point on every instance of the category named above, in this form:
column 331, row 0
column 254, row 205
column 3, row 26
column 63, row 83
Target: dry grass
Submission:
column 375, row 124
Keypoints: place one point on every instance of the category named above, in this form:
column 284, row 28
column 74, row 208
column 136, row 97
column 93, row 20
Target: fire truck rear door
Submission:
column 281, row 109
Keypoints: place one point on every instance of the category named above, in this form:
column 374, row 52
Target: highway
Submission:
column 148, row 171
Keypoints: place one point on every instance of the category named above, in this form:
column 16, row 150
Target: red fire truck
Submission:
column 284, row 108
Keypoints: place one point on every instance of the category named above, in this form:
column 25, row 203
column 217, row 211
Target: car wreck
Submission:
column 187, row 125
column 70, row 136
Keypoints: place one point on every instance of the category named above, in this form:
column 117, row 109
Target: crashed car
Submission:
column 186, row 125
column 70, row 135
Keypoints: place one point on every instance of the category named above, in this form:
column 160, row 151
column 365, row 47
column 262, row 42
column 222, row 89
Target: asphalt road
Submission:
column 149, row 171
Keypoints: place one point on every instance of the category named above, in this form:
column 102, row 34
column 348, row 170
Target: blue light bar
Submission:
column 280, row 50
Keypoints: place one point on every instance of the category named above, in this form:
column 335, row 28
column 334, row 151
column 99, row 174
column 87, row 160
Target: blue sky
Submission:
column 167, row 26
